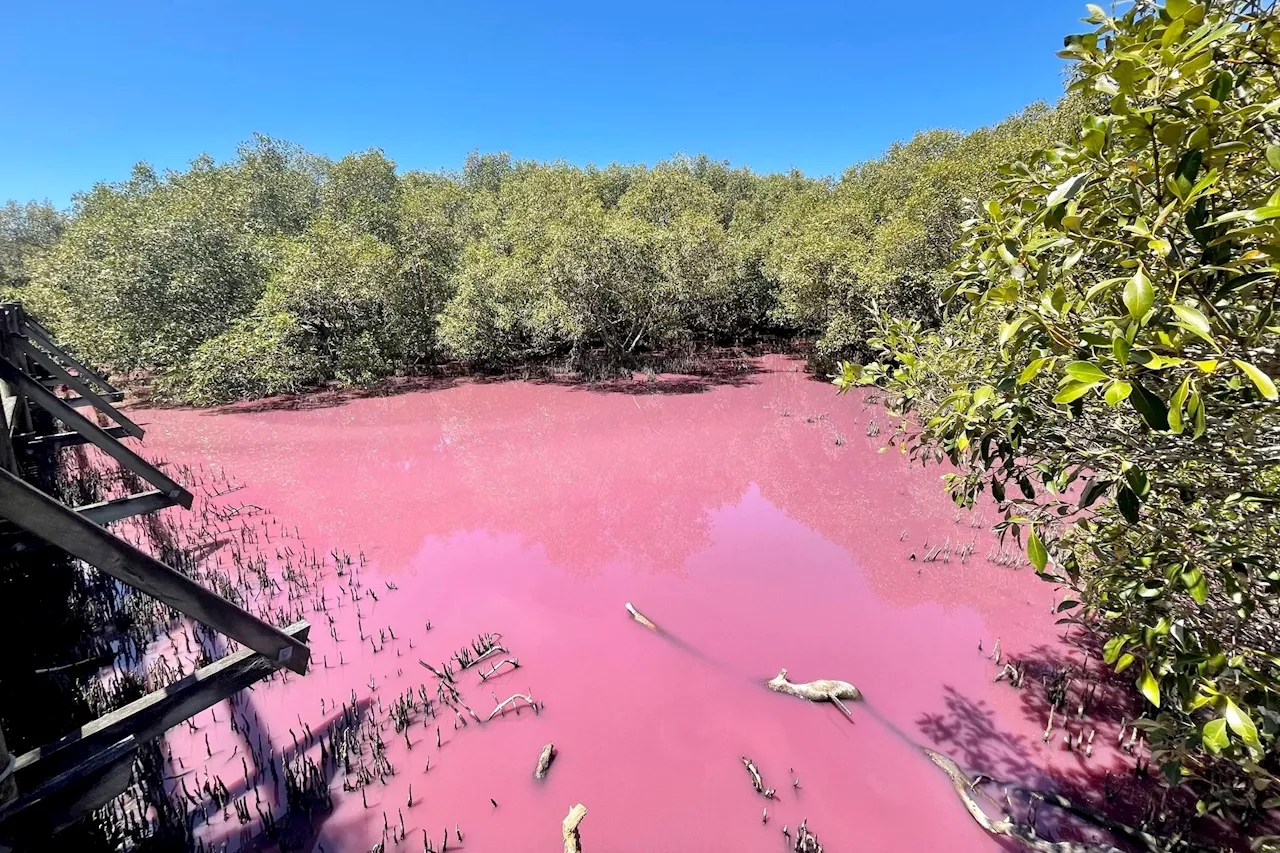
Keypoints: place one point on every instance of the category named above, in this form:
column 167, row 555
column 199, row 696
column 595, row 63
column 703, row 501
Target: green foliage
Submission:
column 351, row 270
column 881, row 238
column 27, row 232
column 1106, row 374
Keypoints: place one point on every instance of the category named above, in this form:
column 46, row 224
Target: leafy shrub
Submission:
column 1106, row 373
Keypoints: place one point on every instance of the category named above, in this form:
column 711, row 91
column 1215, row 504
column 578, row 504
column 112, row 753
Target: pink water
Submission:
column 756, row 523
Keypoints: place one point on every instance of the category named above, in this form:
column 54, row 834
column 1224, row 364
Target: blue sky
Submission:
column 92, row 87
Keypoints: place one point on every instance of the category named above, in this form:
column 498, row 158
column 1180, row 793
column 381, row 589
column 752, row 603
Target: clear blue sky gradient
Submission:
column 90, row 88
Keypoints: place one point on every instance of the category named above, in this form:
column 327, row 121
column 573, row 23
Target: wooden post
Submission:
column 15, row 405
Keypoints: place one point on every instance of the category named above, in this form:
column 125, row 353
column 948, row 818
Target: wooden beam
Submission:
column 41, row 334
column 78, row 422
column 86, row 393
column 105, row 512
column 153, row 714
column 59, row 440
column 52, row 384
column 56, row 523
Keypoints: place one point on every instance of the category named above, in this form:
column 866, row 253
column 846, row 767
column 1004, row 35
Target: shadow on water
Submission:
column 968, row 731
column 327, row 399
column 693, row 375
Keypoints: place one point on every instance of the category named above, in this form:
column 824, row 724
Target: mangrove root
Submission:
column 640, row 617
column 544, row 761
column 528, row 699
column 515, row 664
column 805, row 841
column 569, row 828
column 756, row 782
column 1006, row 826
column 823, row 690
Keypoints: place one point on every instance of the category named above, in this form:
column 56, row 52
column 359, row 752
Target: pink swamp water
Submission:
column 756, row 522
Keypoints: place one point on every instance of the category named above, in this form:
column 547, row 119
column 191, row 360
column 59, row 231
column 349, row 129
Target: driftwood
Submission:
column 1006, row 826
column 544, row 761
column 515, row 664
column 822, row 690
column 640, row 617
column 511, row 700
column 756, row 781
column 569, row 828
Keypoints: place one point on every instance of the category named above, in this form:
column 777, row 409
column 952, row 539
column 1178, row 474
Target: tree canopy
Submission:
column 281, row 270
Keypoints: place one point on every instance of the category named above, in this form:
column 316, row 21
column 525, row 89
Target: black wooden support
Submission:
column 74, row 383
column 59, row 440
column 45, row 339
column 56, row 523
column 155, row 713
column 105, row 512
column 27, row 822
column 44, row 398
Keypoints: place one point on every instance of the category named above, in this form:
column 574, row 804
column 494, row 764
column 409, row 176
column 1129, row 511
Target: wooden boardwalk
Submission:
column 50, row 787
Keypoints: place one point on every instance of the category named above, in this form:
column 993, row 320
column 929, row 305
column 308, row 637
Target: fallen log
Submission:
column 1006, row 826
column 569, row 828
column 544, row 761
column 822, row 690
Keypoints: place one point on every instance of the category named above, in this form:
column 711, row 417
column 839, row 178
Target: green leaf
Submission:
column 1138, row 296
column 1150, row 406
column 1117, row 392
column 1241, row 724
column 1093, row 491
column 1138, row 481
column 1073, row 391
column 1126, row 660
column 1214, row 735
column 1176, row 402
column 1008, row 330
column 1066, row 190
column 1121, row 348
column 1031, row 370
column 1036, row 552
column 1127, row 502
column 1263, row 382
column 1273, row 156
column 1177, row 8
column 1149, row 686
column 1111, row 649
column 1196, row 584
column 1085, row 371
column 1193, row 318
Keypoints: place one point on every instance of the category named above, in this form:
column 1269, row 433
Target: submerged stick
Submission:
column 544, row 761
column 569, row 829
column 640, row 617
